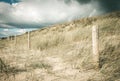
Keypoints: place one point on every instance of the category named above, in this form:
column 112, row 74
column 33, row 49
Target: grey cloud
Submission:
column 80, row 1
column 84, row 1
column 43, row 12
column 31, row 13
column 105, row 5
column 110, row 5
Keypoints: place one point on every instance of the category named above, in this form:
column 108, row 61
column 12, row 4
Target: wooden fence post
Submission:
column 95, row 45
column 15, row 40
column 11, row 38
column 28, row 39
column 8, row 38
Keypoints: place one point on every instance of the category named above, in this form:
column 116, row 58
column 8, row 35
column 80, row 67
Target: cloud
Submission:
column 29, row 14
column 42, row 12
column 5, row 30
column 9, row 32
column 38, row 13
column 21, row 31
column 84, row 1
column 110, row 6
column 105, row 5
column 4, row 25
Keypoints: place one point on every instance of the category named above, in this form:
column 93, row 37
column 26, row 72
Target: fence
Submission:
column 98, row 41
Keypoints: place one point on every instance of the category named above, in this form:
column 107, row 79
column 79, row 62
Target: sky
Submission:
column 19, row 16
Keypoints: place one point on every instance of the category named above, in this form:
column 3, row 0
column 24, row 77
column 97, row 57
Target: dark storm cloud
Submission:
column 84, row 1
column 110, row 5
column 106, row 5
column 80, row 1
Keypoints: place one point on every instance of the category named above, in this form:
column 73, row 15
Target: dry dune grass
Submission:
column 64, row 52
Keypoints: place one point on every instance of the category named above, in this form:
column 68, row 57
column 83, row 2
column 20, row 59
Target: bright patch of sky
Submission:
column 4, row 32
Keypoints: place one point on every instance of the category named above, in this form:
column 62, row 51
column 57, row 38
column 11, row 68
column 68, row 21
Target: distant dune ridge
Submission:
column 63, row 52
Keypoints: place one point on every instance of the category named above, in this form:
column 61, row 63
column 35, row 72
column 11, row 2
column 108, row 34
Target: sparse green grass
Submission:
column 40, row 65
